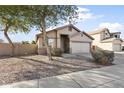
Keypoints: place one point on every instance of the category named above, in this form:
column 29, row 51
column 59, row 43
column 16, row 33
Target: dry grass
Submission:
column 37, row 66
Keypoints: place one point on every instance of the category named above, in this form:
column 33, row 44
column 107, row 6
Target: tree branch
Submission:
column 1, row 29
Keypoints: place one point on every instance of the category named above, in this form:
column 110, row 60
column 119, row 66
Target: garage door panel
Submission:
column 117, row 47
column 80, row 47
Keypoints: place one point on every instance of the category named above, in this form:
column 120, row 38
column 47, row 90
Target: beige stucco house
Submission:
column 106, row 40
column 69, row 38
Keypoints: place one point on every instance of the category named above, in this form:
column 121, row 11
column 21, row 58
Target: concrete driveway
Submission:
column 106, row 77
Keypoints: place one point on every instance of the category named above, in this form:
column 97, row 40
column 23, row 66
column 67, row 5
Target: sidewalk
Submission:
column 106, row 77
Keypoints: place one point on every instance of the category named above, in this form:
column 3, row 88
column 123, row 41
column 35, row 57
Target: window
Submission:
column 51, row 42
column 106, row 35
column 116, row 36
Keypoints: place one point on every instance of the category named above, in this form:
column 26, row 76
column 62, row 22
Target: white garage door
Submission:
column 117, row 47
column 80, row 47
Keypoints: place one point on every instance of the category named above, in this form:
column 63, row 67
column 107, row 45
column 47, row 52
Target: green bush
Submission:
column 56, row 52
column 102, row 56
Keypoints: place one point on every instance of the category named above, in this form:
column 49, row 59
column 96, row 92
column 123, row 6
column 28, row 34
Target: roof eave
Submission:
column 88, row 35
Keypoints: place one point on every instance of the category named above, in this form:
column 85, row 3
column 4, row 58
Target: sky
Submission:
column 91, row 17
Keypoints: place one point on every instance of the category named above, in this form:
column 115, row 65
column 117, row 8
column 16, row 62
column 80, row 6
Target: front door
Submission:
column 65, row 43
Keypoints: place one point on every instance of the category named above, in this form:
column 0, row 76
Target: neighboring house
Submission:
column 106, row 40
column 69, row 38
column 115, row 34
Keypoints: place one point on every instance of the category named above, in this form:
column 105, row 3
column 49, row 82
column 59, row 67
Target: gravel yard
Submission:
column 21, row 68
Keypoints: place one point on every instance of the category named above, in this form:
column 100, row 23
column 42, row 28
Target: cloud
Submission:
column 86, row 14
column 80, row 9
column 112, row 26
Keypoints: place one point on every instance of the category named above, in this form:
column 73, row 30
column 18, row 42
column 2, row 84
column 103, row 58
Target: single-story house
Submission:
column 106, row 40
column 68, row 38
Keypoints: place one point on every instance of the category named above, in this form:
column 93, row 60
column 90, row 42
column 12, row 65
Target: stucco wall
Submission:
column 106, row 46
column 97, row 38
column 66, row 32
column 39, row 42
column 51, row 34
column 122, row 43
column 20, row 49
column 81, row 38
column 96, row 42
column 117, row 42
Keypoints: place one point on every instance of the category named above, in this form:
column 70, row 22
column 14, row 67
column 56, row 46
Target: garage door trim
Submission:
column 79, row 48
column 80, row 42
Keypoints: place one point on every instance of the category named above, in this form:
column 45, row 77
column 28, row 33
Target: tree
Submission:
column 12, row 20
column 46, row 16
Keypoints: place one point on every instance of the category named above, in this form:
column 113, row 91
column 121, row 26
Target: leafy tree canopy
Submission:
column 53, row 14
column 12, row 17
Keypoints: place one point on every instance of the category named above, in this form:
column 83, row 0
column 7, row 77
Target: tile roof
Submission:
column 58, row 28
column 98, row 31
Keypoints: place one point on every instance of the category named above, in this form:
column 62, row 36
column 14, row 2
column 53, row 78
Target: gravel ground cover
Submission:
column 23, row 68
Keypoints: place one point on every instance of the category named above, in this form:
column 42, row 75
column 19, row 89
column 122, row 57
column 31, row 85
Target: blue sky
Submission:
column 111, row 17
column 90, row 18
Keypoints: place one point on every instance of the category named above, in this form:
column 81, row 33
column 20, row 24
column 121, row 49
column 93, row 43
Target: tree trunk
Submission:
column 45, row 40
column 9, row 40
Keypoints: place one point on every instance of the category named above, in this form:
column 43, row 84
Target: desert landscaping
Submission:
column 21, row 68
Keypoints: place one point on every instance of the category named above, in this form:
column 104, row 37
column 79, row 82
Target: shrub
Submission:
column 56, row 51
column 101, row 56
